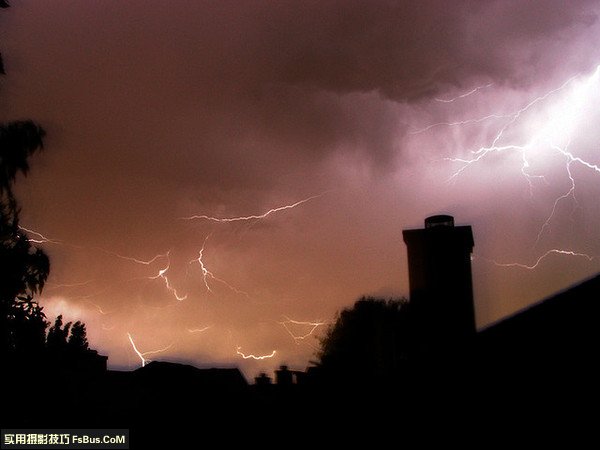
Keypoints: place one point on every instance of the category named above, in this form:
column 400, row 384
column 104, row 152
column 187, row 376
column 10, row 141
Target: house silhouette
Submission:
column 559, row 331
column 552, row 344
column 539, row 364
column 535, row 371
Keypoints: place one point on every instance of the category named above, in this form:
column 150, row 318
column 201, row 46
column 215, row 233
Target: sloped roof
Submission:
column 553, row 324
column 167, row 372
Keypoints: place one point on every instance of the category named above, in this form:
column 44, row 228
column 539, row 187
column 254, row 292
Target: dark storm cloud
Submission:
column 265, row 86
column 402, row 50
column 302, row 80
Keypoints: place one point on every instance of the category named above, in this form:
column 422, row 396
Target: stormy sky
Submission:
column 377, row 113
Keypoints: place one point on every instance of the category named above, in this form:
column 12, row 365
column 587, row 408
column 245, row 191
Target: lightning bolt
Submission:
column 142, row 355
column 559, row 123
column 494, row 146
column 135, row 260
column 466, row 94
column 162, row 273
column 570, row 193
column 573, row 159
column 461, row 122
column 98, row 307
column 514, row 116
column 170, row 288
column 207, row 274
column 41, row 239
column 312, row 326
column 257, row 358
column 251, row 217
column 208, row 277
column 544, row 256
column 198, row 330
column 51, row 286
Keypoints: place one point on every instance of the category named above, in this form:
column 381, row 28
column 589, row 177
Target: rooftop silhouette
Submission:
column 423, row 354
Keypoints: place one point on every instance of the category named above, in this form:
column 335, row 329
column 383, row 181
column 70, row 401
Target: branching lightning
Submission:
column 207, row 274
column 162, row 263
column 311, row 326
column 513, row 117
column 544, row 256
column 461, row 122
column 466, row 94
column 162, row 273
column 40, row 238
column 251, row 217
column 51, row 286
column 570, row 193
column 552, row 133
column 142, row 355
column 97, row 307
column 544, row 134
column 494, row 147
column 136, row 260
column 170, row 288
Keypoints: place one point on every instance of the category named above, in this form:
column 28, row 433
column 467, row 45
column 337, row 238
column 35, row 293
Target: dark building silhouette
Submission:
column 263, row 380
column 284, row 376
column 441, row 287
column 76, row 361
column 542, row 362
column 558, row 336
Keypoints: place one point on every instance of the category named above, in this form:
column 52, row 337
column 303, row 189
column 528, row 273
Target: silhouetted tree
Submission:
column 18, row 141
column 78, row 338
column 23, row 267
column 28, row 326
column 368, row 341
column 58, row 334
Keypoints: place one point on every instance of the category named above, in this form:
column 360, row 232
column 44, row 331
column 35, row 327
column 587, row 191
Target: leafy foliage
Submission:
column 368, row 341
column 18, row 141
column 57, row 334
column 23, row 267
column 78, row 338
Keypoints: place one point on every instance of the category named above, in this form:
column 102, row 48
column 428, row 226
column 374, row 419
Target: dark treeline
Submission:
column 24, row 268
column 34, row 356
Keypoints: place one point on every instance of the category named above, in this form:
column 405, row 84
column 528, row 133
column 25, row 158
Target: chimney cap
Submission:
column 441, row 220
